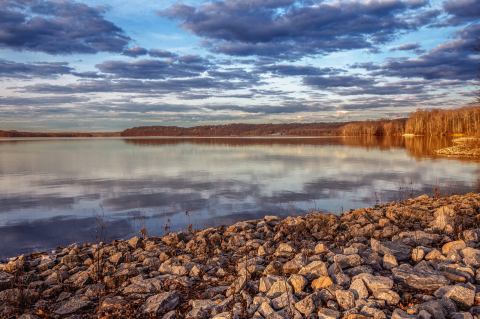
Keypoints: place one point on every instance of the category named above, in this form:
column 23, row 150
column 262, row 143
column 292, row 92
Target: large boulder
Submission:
column 420, row 279
column 161, row 303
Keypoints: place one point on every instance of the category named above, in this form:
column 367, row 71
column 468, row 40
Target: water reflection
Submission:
column 52, row 192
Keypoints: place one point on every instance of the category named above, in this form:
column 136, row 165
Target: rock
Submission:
column 282, row 301
column 298, row 282
column 375, row 283
column 345, row 299
column 400, row 314
column 338, row 276
column 347, row 261
column 389, row 261
column 307, row 305
column 453, row 246
column 116, row 258
column 6, row 280
column 321, row 248
column 326, row 313
column 143, row 286
column 417, row 254
column 161, row 303
column 266, row 282
column 462, row 295
column 434, row 308
column 134, row 242
column 113, row 304
column 444, row 219
column 423, row 280
column 359, row 289
column 434, row 255
column 278, row 288
column 390, row 296
column 471, row 257
column 168, row 267
column 71, row 306
column 472, row 235
column 71, row 260
column 292, row 266
column 419, row 237
column 284, row 249
column 461, row 315
column 314, row 269
column 237, row 285
column 223, row 315
column 396, row 248
column 322, row 282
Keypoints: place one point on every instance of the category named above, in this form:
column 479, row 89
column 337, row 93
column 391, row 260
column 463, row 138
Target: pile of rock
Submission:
column 414, row 259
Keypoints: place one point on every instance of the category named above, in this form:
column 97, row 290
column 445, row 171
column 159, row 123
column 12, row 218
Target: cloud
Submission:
column 135, row 51
column 145, row 69
column 457, row 59
column 58, row 27
column 40, row 100
column 134, row 86
column 292, row 29
column 10, row 69
column 337, row 81
column 462, row 11
column 415, row 47
column 293, row 70
column 157, row 53
column 180, row 66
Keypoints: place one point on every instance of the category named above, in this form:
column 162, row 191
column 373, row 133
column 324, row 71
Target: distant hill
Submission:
column 57, row 134
column 380, row 127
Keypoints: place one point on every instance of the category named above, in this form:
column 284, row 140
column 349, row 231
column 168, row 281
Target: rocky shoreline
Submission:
column 418, row 258
column 464, row 147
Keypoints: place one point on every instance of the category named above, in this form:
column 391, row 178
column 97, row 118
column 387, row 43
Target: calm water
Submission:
column 55, row 192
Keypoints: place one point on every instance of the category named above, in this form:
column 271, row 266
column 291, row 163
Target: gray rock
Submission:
column 348, row 261
column 143, row 286
column 461, row 315
column 418, row 238
column 161, row 303
column 266, row 282
column 359, row 289
column 423, row 280
column 396, row 248
column 314, row 269
column 400, row 314
column 71, row 306
column 375, row 283
column 278, row 288
column 390, row 296
column 434, row 308
column 463, row 296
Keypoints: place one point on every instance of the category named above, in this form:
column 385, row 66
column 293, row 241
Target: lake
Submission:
column 59, row 191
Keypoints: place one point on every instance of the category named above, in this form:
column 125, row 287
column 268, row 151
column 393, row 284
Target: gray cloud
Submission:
column 12, row 69
column 454, row 60
column 293, row 29
column 58, row 27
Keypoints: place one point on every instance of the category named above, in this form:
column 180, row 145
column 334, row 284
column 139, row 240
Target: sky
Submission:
column 98, row 65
